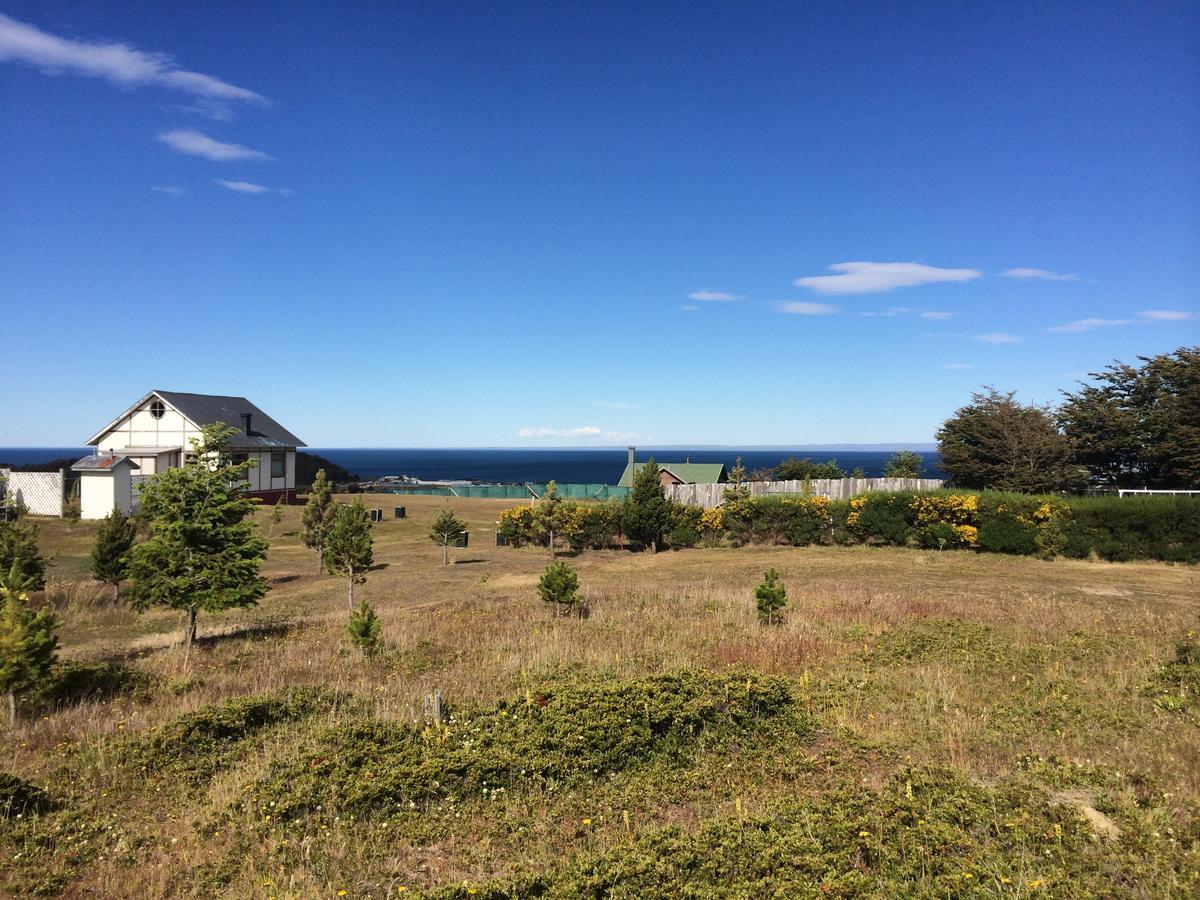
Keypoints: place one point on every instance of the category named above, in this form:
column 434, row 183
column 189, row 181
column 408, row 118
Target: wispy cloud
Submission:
column 713, row 296
column 996, row 337
column 1087, row 325
column 249, row 187
column 956, row 365
column 1167, row 315
column 115, row 62
column 208, row 107
column 687, row 307
column 876, row 277
column 617, row 404
column 890, row 313
column 1039, row 275
column 171, row 190
column 583, row 431
column 938, row 316
column 805, row 308
column 195, row 143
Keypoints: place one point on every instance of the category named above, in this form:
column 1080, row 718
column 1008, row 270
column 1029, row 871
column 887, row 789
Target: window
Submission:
column 278, row 465
column 157, row 408
column 238, row 459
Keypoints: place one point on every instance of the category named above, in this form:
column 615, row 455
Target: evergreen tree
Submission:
column 203, row 552
column 903, row 464
column 348, row 546
column 445, row 531
column 858, row 472
column 646, row 512
column 363, row 628
column 18, row 544
column 771, row 597
column 110, row 552
column 28, row 639
column 558, row 585
column 276, row 517
column 318, row 516
column 548, row 516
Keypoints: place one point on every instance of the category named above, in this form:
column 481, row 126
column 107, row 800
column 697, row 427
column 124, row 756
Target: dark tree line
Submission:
column 1135, row 426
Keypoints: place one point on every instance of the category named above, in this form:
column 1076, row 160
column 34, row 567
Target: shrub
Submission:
column 82, row 682
column 517, row 525
column 20, row 798
column 558, row 585
column 881, row 518
column 363, row 629
column 685, row 526
column 1006, row 533
column 940, row 536
column 771, row 597
column 1176, row 684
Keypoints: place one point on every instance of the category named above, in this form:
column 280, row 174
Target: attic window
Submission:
column 157, row 408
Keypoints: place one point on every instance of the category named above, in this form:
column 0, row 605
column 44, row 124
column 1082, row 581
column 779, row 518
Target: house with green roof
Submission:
column 686, row 472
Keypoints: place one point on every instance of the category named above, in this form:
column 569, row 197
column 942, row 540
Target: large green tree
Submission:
column 203, row 552
column 646, row 512
column 28, row 639
column 318, row 516
column 110, row 551
column 995, row 442
column 349, row 546
column 1139, row 425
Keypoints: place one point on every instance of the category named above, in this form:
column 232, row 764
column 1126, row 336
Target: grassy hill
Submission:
column 922, row 724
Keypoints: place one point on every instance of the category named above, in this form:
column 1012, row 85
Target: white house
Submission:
column 155, row 434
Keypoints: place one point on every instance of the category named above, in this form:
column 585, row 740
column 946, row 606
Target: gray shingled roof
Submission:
column 204, row 409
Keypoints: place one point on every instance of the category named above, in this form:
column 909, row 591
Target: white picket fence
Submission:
column 710, row 495
column 41, row 492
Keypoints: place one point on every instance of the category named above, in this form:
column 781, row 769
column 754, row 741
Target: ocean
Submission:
column 516, row 466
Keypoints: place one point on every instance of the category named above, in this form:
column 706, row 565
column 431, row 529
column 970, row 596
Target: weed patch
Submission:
column 560, row 729
column 78, row 682
column 1175, row 686
column 19, row 798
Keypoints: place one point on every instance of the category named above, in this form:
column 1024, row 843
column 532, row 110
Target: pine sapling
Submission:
column 110, row 552
column 771, row 597
column 363, row 628
column 559, row 585
column 28, row 639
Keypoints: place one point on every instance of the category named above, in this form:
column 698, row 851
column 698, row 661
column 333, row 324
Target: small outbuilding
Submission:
column 686, row 472
column 105, row 484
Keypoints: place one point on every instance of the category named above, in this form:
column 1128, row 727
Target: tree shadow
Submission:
column 468, row 562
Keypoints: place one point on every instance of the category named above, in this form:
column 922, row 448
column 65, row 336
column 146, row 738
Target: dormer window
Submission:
column 157, row 408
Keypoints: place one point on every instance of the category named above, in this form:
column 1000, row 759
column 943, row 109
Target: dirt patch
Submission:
column 1082, row 800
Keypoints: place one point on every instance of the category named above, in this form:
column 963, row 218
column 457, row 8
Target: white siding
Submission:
column 97, row 496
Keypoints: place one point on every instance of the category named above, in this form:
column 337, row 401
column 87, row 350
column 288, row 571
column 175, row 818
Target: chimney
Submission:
column 246, row 421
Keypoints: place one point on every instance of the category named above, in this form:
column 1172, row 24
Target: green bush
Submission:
column 939, row 536
column 1139, row 527
column 1005, row 533
column 1175, row 685
column 574, row 727
column 886, row 518
column 20, row 798
column 686, row 530
column 81, row 682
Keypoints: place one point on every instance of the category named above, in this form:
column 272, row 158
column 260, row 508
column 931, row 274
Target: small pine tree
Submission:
column 558, row 585
column 363, row 628
column 19, row 545
column 110, row 552
column 858, row 472
column 348, row 546
column 276, row 517
column 904, row 464
column 28, row 639
column 445, row 531
column 318, row 517
column 548, row 515
column 771, row 597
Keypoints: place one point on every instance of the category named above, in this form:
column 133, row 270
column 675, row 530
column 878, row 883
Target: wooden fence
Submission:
column 710, row 495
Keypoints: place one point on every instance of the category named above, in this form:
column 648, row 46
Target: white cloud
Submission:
column 1087, row 325
column 249, row 187
column 875, row 278
column 217, row 110
column 195, row 143
column 996, row 337
column 956, row 365
column 1039, row 275
column 170, row 190
column 583, row 431
column 804, row 308
column 889, row 313
column 118, row 63
column 687, row 307
column 1167, row 315
column 938, row 316
column 713, row 296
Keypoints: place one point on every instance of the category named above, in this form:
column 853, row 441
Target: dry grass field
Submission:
column 953, row 724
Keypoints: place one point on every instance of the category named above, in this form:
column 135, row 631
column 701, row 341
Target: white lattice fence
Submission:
column 41, row 492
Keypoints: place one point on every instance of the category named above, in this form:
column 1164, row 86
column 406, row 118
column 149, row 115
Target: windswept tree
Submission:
column 28, row 639
column 646, row 512
column 203, row 552
column 349, row 546
column 318, row 517
column 904, row 464
column 1139, row 426
column 445, row 531
column 995, row 442
column 110, row 551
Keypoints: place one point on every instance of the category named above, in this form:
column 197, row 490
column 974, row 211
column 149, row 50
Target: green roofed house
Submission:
column 678, row 472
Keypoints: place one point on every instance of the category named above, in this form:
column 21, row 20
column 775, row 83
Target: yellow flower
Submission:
column 864, row 834
column 587, row 821
column 341, row 893
column 967, row 875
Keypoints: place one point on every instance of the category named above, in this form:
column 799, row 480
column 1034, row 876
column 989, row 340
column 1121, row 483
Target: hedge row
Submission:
column 1117, row 529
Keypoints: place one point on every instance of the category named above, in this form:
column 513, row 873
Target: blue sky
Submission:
column 566, row 223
